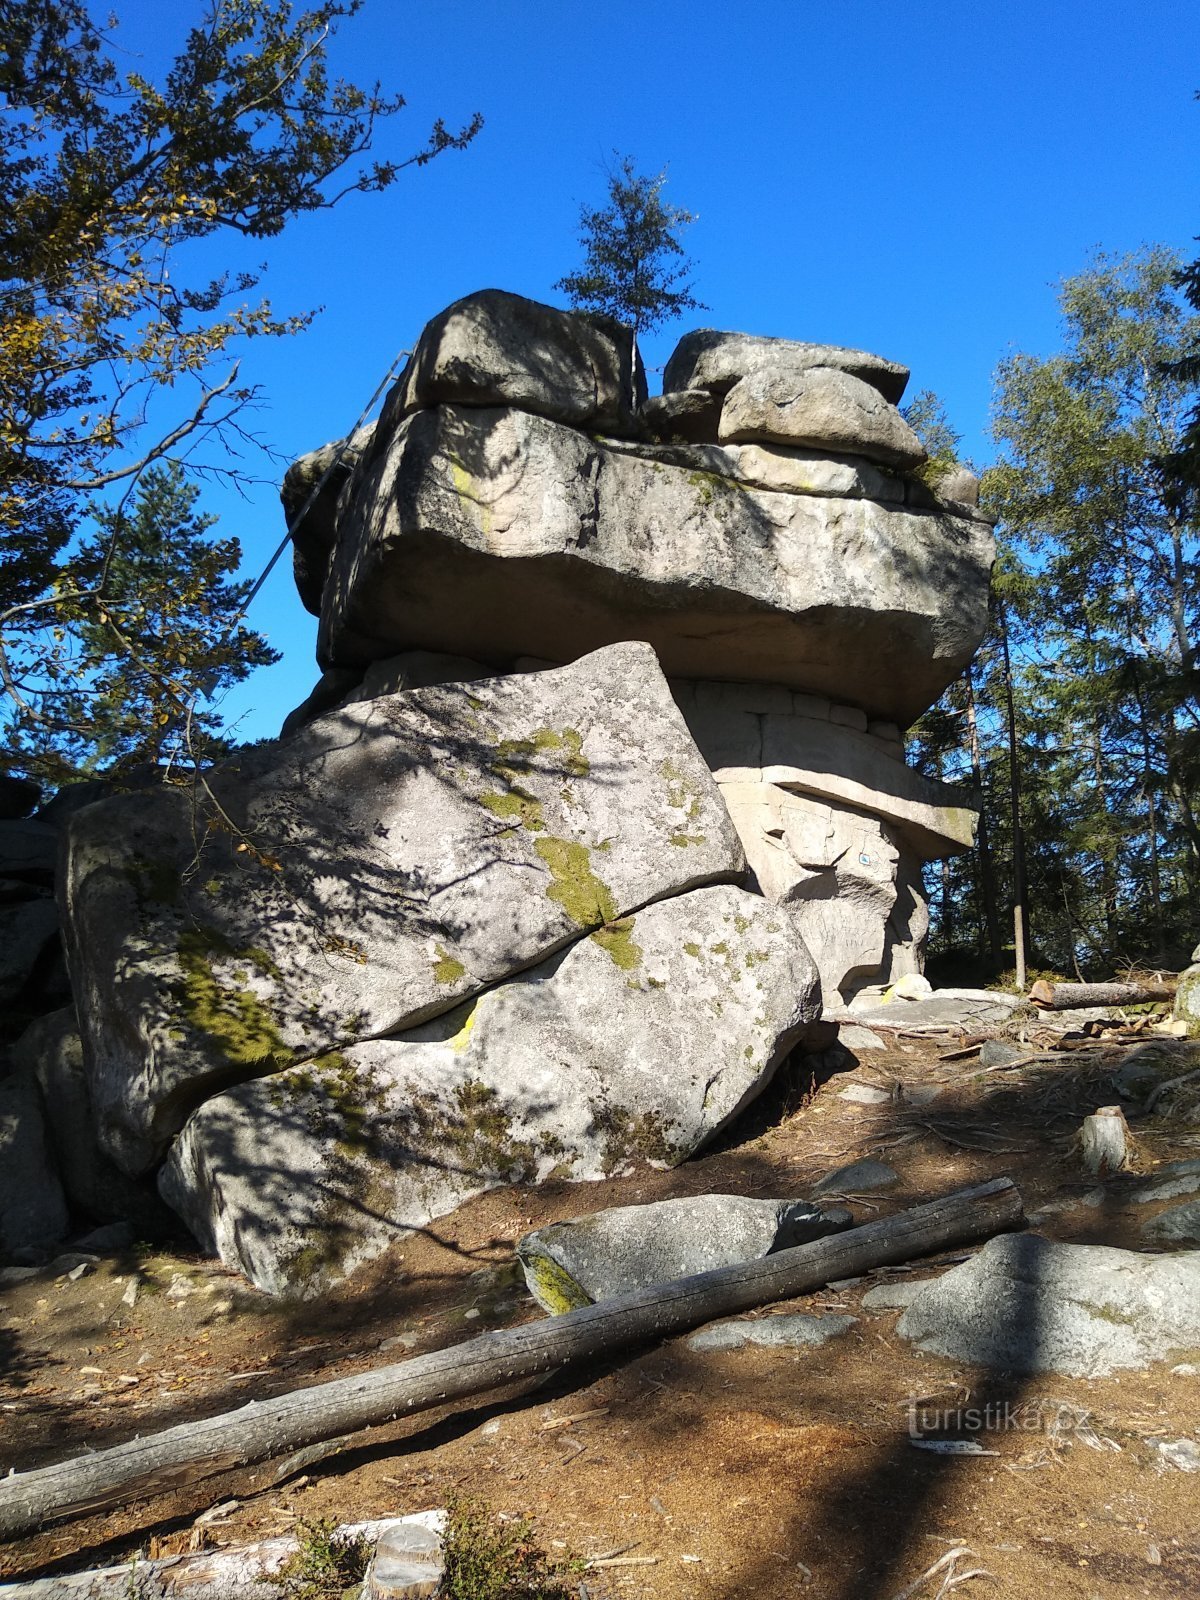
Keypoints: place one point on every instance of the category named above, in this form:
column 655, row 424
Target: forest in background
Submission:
column 1078, row 720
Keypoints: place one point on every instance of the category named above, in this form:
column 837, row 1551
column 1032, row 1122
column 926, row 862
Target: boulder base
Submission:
column 638, row 1044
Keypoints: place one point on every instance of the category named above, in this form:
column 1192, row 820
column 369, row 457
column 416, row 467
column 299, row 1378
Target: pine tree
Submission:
column 635, row 268
column 135, row 673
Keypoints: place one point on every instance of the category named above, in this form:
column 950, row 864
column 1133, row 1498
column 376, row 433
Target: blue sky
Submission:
column 907, row 178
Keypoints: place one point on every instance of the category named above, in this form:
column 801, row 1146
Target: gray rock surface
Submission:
column 895, row 1296
column 593, row 1258
column 499, row 349
column 1147, row 1067
column 1170, row 1181
column 999, row 1053
column 33, row 1212
column 1180, row 1225
column 823, row 409
column 687, row 416
column 798, row 471
column 968, row 1007
column 28, row 850
column 384, row 864
column 494, row 533
column 781, row 1331
column 1024, row 1304
column 640, row 1042
column 50, row 1052
column 708, row 359
column 860, row 1177
column 310, row 507
column 26, row 930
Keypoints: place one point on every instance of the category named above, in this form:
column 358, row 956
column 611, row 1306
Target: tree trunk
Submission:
column 1014, row 789
column 1072, row 996
column 196, row 1450
column 987, row 867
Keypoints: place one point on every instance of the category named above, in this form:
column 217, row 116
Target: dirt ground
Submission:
column 754, row 1473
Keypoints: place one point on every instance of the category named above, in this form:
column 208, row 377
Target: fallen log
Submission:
column 1072, row 996
column 268, row 1428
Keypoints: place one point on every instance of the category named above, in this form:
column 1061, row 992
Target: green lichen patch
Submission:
column 564, row 744
column 617, row 940
column 557, row 1289
column 233, row 1019
column 515, row 805
column 682, row 840
column 585, row 898
column 693, row 950
column 632, row 1136
column 682, row 795
column 447, row 968
column 154, row 882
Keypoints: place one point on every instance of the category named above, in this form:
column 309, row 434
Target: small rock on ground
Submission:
column 1168, row 1183
column 1178, row 1226
column 894, row 1296
column 858, row 1178
column 864, row 1094
column 786, row 1332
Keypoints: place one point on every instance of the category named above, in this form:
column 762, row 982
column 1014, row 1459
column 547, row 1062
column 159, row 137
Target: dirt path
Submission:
column 752, row 1473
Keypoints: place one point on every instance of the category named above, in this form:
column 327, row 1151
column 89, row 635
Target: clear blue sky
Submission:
column 907, row 178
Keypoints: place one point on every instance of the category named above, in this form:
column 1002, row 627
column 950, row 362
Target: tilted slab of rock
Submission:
column 389, row 860
column 494, row 348
column 493, row 533
column 798, row 1331
column 822, row 408
column 641, row 1041
column 1024, row 1304
column 708, row 359
column 577, row 1263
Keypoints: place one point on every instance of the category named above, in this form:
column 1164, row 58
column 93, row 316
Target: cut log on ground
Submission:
column 1074, row 996
column 269, row 1428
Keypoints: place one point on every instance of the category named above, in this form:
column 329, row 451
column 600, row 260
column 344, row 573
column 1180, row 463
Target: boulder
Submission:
column 639, row 1043
column 797, row 471
column 26, row 930
column 707, row 359
column 50, row 1053
column 410, row 669
column 28, row 850
column 1024, row 1304
column 1180, row 1225
column 310, row 507
column 1187, row 999
column 860, row 1177
column 797, row 1331
column 493, row 534
column 335, row 685
column 688, row 416
column 387, row 862
column 1170, row 1182
column 823, row 409
column 499, row 349
column 578, row 1263
column 33, row 1212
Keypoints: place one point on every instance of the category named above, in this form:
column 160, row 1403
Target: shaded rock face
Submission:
column 639, row 1043
column 33, row 1212
column 392, row 859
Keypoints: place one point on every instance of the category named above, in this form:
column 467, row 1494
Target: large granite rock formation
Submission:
column 506, row 901
column 808, row 591
column 394, row 858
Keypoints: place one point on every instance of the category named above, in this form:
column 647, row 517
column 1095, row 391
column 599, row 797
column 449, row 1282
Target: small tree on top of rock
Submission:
column 634, row 268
